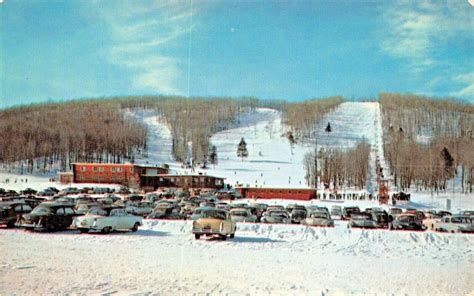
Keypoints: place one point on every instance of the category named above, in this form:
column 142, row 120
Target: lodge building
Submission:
column 137, row 176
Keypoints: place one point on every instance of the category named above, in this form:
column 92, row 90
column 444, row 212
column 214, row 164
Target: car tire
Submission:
column 223, row 237
column 11, row 224
column 106, row 230
column 135, row 227
column 232, row 235
column 197, row 236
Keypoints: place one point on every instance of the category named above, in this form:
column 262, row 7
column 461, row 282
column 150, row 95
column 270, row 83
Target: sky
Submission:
column 295, row 50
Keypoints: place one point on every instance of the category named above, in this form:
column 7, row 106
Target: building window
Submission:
column 83, row 168
column 113, row 169
column 131, row 170
column 101, row 169
column 202, row 180
column 119, row 169
column 95, row 169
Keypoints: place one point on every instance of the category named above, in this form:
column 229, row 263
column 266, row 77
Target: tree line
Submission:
column 427, row 141
column 43, row 137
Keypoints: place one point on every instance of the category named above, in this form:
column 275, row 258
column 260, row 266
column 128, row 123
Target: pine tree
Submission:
column 213, row 156
column 242, row 149
column 328, row 128
column 292, row 141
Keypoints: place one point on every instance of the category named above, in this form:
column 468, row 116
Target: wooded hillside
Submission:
column 427, row 141
column 40, row 136
column 302, row 118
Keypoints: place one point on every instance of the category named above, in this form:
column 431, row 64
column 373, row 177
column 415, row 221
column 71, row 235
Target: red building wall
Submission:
column 104, row 173
column 277, row 193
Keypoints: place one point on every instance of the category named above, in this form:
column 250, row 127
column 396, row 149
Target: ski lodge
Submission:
column 137, row 176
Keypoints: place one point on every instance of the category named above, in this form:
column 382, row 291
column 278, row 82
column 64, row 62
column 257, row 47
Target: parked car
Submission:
column 276, row 216
column 28, row 191
column 361, row 220
column 47, row 192
column 336, row 212
column 106, row 220
column 165, row 211
column 48, row 216
column 380, row 218
column 139, row 208
column 214, row 222
column 455, row 223
column 297, row 215
column 318, row 219
column 467, row 213
column 242, row 215
column 11, row 211
column 70, row 190
column 348, row 211
column 407, row 222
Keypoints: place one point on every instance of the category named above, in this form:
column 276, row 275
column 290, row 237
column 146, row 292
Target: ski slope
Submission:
column 272, row 162
column 163, row 257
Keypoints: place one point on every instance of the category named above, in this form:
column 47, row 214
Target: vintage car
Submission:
column 297, row 215
column 48, row 216
column 380, row 218
column 276, row 216
column 139, row 208
column 11, row 211
column 361, row 220
column 407, row 222
column 106, row 220
column 318, row 219
column 214, row 222
column 166, row 211
column 242, row 215
column 455, row 223
column 467, row 213
column 348, row 211
column 28, row 191
column 336, row 212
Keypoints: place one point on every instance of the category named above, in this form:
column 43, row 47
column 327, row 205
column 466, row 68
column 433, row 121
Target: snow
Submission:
column 163, row 257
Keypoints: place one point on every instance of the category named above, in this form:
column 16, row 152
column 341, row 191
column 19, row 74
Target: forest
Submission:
column 428, row 142
column 337, row 168
column 41, row 137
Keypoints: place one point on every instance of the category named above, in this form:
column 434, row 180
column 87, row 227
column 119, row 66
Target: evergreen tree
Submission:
column 213, row 156
column 242, row 149
column 328, row 128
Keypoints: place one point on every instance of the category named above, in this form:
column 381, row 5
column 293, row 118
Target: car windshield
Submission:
column 239, row 213
column 213, row 214
column 320, row 215
column 359, row 217
column 407, row 218
column 97, row 211
column 278, row 214
column 39, row 211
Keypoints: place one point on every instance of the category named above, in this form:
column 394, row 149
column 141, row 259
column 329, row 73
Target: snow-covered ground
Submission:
column 163, row 258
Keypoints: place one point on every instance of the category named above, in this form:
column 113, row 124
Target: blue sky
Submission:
column 57, row 50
